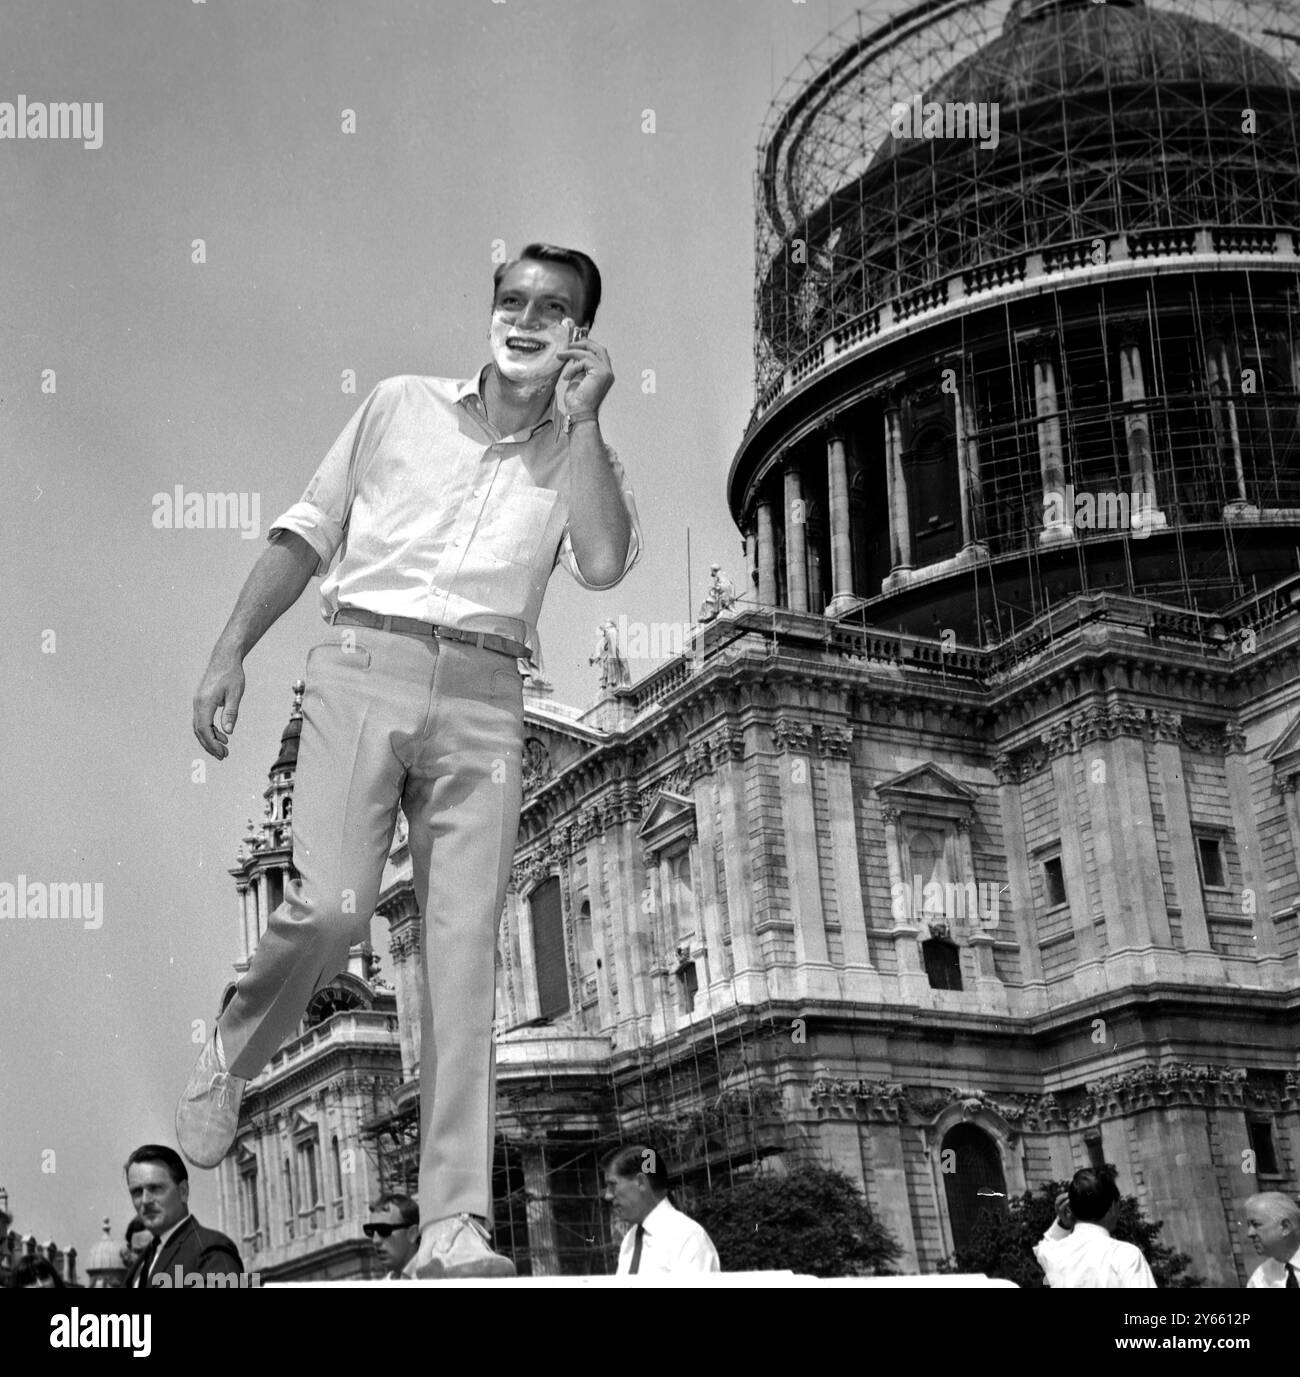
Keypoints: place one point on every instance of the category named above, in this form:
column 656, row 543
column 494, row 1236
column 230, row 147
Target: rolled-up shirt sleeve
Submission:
column 320, row 517
column 569, row 560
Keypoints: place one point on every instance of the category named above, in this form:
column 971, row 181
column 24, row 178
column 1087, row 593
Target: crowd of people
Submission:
column 166, row 1246
column 1078, row 1251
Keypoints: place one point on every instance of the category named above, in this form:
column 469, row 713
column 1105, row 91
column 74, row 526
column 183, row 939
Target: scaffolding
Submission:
column 1111, row 119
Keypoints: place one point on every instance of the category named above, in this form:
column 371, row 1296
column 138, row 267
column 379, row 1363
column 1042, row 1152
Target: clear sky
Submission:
column 476, row 122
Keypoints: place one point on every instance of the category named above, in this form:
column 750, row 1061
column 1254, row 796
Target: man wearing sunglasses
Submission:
column 394, row 1228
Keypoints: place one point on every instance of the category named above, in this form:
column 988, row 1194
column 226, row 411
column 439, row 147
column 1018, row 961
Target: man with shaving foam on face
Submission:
column 437, row 519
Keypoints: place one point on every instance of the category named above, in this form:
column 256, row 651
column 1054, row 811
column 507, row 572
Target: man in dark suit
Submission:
column 182, row 1248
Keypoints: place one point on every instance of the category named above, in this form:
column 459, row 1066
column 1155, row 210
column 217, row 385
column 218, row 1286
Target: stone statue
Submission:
column 613, row 667
column 721, row 594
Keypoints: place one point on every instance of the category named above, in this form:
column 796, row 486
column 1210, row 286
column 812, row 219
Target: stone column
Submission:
column 1058, row 510
column 751, row 566
column 1225, row 414
column 1146, row 514
column 814, row 973
column 707, row 906
column 1287, row 787
column 526, row 989
column 245, row 948
column 900, row 529
column 979, row 938
column 749, row 979
column 538, row 1212
column 913, row 984
column 263, row 900
column 624, row 917
column 766, row 555
column 859, row 979
column 1254, row 873
column 1200, row 957
column 1016, row 906
column 968, row 468
column 1124, row 850
column 796, row 556
column 1087, row 951
column 837, row 475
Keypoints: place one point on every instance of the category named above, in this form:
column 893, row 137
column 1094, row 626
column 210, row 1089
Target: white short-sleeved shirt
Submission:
column 426, row 511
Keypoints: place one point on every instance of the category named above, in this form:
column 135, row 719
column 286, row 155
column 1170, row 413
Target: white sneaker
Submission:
column 207, row 1114
column 457, row 1247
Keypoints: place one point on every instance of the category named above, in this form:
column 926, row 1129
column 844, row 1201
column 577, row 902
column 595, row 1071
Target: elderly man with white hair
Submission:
column 1273, row 1226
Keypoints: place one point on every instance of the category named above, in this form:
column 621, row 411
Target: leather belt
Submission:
column 408, row 626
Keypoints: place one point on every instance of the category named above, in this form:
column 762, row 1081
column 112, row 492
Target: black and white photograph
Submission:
column 651, row 645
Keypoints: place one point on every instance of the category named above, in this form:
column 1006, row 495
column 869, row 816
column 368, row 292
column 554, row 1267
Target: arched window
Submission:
column 972, row 1179
column 328, row 1002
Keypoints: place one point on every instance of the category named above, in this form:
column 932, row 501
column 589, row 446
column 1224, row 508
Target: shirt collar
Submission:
column 166, row 1238
column 470, row 393
column 658, row 1214
column 1090, row 1228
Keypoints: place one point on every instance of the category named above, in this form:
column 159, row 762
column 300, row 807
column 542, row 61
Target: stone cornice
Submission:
column 1106, row 722
column 1147, row 1086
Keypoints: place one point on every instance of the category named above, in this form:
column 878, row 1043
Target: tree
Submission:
column 812, row 1220
column 1002, row 1242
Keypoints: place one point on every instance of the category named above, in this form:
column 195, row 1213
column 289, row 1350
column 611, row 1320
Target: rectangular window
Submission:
column 548, row 949
column 1054, row 881
column 1209, row 852
column 689, row 983
column 1260, row 1132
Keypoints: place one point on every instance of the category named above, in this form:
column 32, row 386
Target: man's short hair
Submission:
column 1276, row 1207
column 579, row 262
column 1092, row 1193
column 156, row 1152
column 639, row 1160
column 403, row 1204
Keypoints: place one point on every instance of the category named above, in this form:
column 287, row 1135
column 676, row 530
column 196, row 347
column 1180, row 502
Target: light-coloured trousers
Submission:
column 436, row 726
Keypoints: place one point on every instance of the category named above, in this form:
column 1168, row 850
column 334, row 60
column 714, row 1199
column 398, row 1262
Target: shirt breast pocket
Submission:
column 515, row 525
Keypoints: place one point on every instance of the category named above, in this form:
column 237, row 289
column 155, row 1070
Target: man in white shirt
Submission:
column 437, row 519
column 660, row 1239
column 1078, row 1251
column 1273, row 1226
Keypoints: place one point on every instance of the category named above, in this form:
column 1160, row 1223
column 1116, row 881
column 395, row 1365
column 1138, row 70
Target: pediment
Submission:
column 670, row 816
column 302, row 1127
column 927, row 788
column 1285, row 751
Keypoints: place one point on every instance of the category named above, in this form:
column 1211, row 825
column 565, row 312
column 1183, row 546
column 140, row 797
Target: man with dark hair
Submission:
column 394, row 1227
column 438, row 518
column 1273, row 1227
column 182, row 1248
column 661, row 1239
column 1078, row 1251
column 138, row 1240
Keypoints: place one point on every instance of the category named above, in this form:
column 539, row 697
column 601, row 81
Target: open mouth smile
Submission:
column 524, row 345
